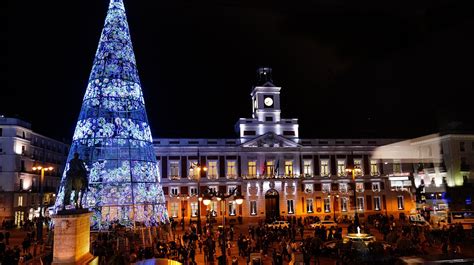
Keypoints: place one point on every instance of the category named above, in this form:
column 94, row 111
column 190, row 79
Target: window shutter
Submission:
column 366, row 165
column 164, row 167
column 316, row 165
column 369, row 202
column 367, row 185
column 333, row 165
column 165, row 190
column 184, row 167
column 222, row 167
column 222, row 189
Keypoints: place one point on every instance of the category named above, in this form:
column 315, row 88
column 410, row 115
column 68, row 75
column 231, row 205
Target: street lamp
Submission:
column 220, row 196
column 40, row 223
column 355, row 171
column 200, row 169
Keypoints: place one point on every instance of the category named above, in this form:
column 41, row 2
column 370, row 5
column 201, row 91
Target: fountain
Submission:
column 360, row 237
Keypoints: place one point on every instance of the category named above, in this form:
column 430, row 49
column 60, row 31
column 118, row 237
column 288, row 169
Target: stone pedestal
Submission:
column 72, row 238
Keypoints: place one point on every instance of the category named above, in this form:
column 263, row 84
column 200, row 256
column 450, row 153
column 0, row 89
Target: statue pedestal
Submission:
column 72, row 238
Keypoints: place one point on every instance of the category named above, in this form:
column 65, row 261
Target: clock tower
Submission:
column 266, row 111
column 265, row 97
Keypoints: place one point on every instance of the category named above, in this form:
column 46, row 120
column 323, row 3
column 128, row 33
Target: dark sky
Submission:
column 347, row 68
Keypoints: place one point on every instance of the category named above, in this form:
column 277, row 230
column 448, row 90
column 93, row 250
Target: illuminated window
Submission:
column 397, row 167
column 343, row 187
column 326, row 187
column 341, row 167
column 327, row 205
column 213, row 208
column 174, row 209
column 308, row 188
column 360, row 203
column 212, row 170
column 253, row 207
column 194, row 209
column 324, row 167
column 232, row 208
column 377, row 203
column 231, row 188
column 289, row 168
column 307, row 168
column 344, row 204
column 252, row 168
column 20, row 200
column 231, row 170
column 269, row 169
column 174, row 169
column 360, row 187
column 290, row 206
column 309, row 205
column 401, row 205
column 375, row 186
column 374, row 168
column 213, row 189
column 358, row 164
column 193, row 170
column 174, row 191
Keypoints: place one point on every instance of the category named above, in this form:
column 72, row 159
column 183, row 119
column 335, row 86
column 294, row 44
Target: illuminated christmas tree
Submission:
column 113, row 137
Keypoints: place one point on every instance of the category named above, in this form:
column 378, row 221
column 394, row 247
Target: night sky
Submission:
column 347, row 69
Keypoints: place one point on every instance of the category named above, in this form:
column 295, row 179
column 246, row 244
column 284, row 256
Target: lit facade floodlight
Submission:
column 206, row 201
column 239, row 200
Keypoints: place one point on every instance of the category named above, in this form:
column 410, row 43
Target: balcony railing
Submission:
column 175, row 177
column 231, row 176
column 214, row 177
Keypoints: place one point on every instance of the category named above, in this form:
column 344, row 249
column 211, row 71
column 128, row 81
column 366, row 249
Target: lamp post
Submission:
column 181, row 199
column 40, row 223
column 200, row 169
column 335, row 196
column 239, row 199
column 354, row 171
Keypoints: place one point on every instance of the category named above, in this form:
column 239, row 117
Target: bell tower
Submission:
column 265, row 97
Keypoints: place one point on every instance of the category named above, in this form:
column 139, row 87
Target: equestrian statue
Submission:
column 76, row 180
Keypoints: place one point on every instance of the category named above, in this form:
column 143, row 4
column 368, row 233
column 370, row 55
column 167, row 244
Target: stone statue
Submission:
column 77, row 181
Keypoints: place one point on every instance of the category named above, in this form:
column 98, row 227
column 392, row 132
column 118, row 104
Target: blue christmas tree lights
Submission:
column 113, row 137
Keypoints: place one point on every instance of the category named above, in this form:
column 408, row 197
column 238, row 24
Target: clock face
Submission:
column 268, row 101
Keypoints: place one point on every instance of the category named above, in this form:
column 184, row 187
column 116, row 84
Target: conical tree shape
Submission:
column 113, row 137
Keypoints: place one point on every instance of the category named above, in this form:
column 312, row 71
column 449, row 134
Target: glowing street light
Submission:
column 40, row 223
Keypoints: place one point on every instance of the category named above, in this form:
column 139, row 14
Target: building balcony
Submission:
column 175, row 177
column 231, row 176
column 250, row 177
column 212, row 177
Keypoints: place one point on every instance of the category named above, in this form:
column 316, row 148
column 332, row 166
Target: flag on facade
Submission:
column 264, row 171
column 277, row 168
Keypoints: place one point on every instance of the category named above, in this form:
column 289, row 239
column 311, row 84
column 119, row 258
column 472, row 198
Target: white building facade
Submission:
column 441, row 164
column 20, row 150
column 278, row 172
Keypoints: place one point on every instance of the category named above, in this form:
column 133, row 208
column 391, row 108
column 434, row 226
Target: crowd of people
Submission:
column 122, row 245
column 18, row 254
